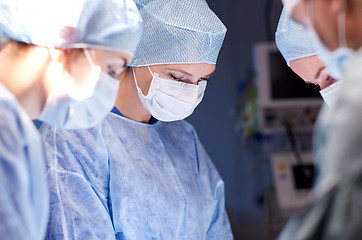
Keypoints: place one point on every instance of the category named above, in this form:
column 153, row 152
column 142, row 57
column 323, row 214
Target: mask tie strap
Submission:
column 150, row 71
column 134, row 76
column 89, row 58
column 135, row 81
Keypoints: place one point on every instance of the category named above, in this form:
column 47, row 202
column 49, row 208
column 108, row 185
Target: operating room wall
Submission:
column 248, row 22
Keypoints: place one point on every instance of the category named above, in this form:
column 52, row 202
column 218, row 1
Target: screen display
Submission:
column 285, row 84
column 303, row 176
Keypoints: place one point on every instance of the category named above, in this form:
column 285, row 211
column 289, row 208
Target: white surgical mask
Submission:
column 330, row 93
column 76, row 110
column 336, row 60
column 169, row 100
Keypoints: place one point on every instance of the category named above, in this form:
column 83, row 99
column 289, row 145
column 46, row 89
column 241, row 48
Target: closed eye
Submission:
column 181, row 79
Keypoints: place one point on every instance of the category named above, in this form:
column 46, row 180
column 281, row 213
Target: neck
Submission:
column 20, row 73
column 128, row 102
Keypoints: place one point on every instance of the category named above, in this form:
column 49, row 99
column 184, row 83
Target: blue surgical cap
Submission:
column 113, row 25
column 294, row 40
column 178, row 31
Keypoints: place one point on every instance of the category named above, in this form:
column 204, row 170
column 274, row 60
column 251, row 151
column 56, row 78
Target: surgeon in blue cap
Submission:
column 298, row 47
column 59, row 61
column 143, row 173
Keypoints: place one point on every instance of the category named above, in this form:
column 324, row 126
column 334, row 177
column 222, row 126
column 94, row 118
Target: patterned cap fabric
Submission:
column 294, row 40
column 178, row 31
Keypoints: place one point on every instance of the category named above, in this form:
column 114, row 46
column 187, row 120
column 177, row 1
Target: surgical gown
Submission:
column 23, row 190
column 128, row 180
column 335, row 211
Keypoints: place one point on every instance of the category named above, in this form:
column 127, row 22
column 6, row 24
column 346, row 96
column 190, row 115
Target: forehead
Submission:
column 307, row 67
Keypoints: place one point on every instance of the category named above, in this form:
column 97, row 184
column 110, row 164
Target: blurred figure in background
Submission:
column 335, row 209
column 63, row 70
column 297, row 45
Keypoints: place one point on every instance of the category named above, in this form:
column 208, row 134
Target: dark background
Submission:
column 246, row 176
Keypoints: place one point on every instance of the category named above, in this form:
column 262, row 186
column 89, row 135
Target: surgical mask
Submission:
column 336, row 60
column 329, row 94
column 74, row 109
column 169, row 100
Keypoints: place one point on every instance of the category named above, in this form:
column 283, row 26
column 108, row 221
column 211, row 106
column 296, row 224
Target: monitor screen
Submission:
column 285, row 84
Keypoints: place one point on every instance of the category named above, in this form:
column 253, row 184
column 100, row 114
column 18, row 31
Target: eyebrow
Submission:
column 189, row 74
column 316, row 76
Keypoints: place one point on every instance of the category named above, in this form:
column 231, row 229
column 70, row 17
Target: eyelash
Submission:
column 176, row 78
column 183, row 79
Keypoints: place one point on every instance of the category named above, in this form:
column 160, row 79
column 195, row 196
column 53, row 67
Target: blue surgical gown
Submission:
column 24, row 198
column 128, row 180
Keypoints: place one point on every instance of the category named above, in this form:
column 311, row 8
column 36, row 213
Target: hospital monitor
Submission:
column 282, row 93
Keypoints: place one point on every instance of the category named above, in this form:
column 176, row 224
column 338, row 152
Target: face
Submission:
column 81, row 69
column 188, row 73
column 312, row 70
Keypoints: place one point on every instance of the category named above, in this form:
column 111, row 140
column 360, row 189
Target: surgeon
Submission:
column 59, row 61
column 143, row 173
column 335, row 208
column 296, row 43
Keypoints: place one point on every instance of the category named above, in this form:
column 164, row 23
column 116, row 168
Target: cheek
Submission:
column 303, row 70
column 145, row 85
column 144, row 80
